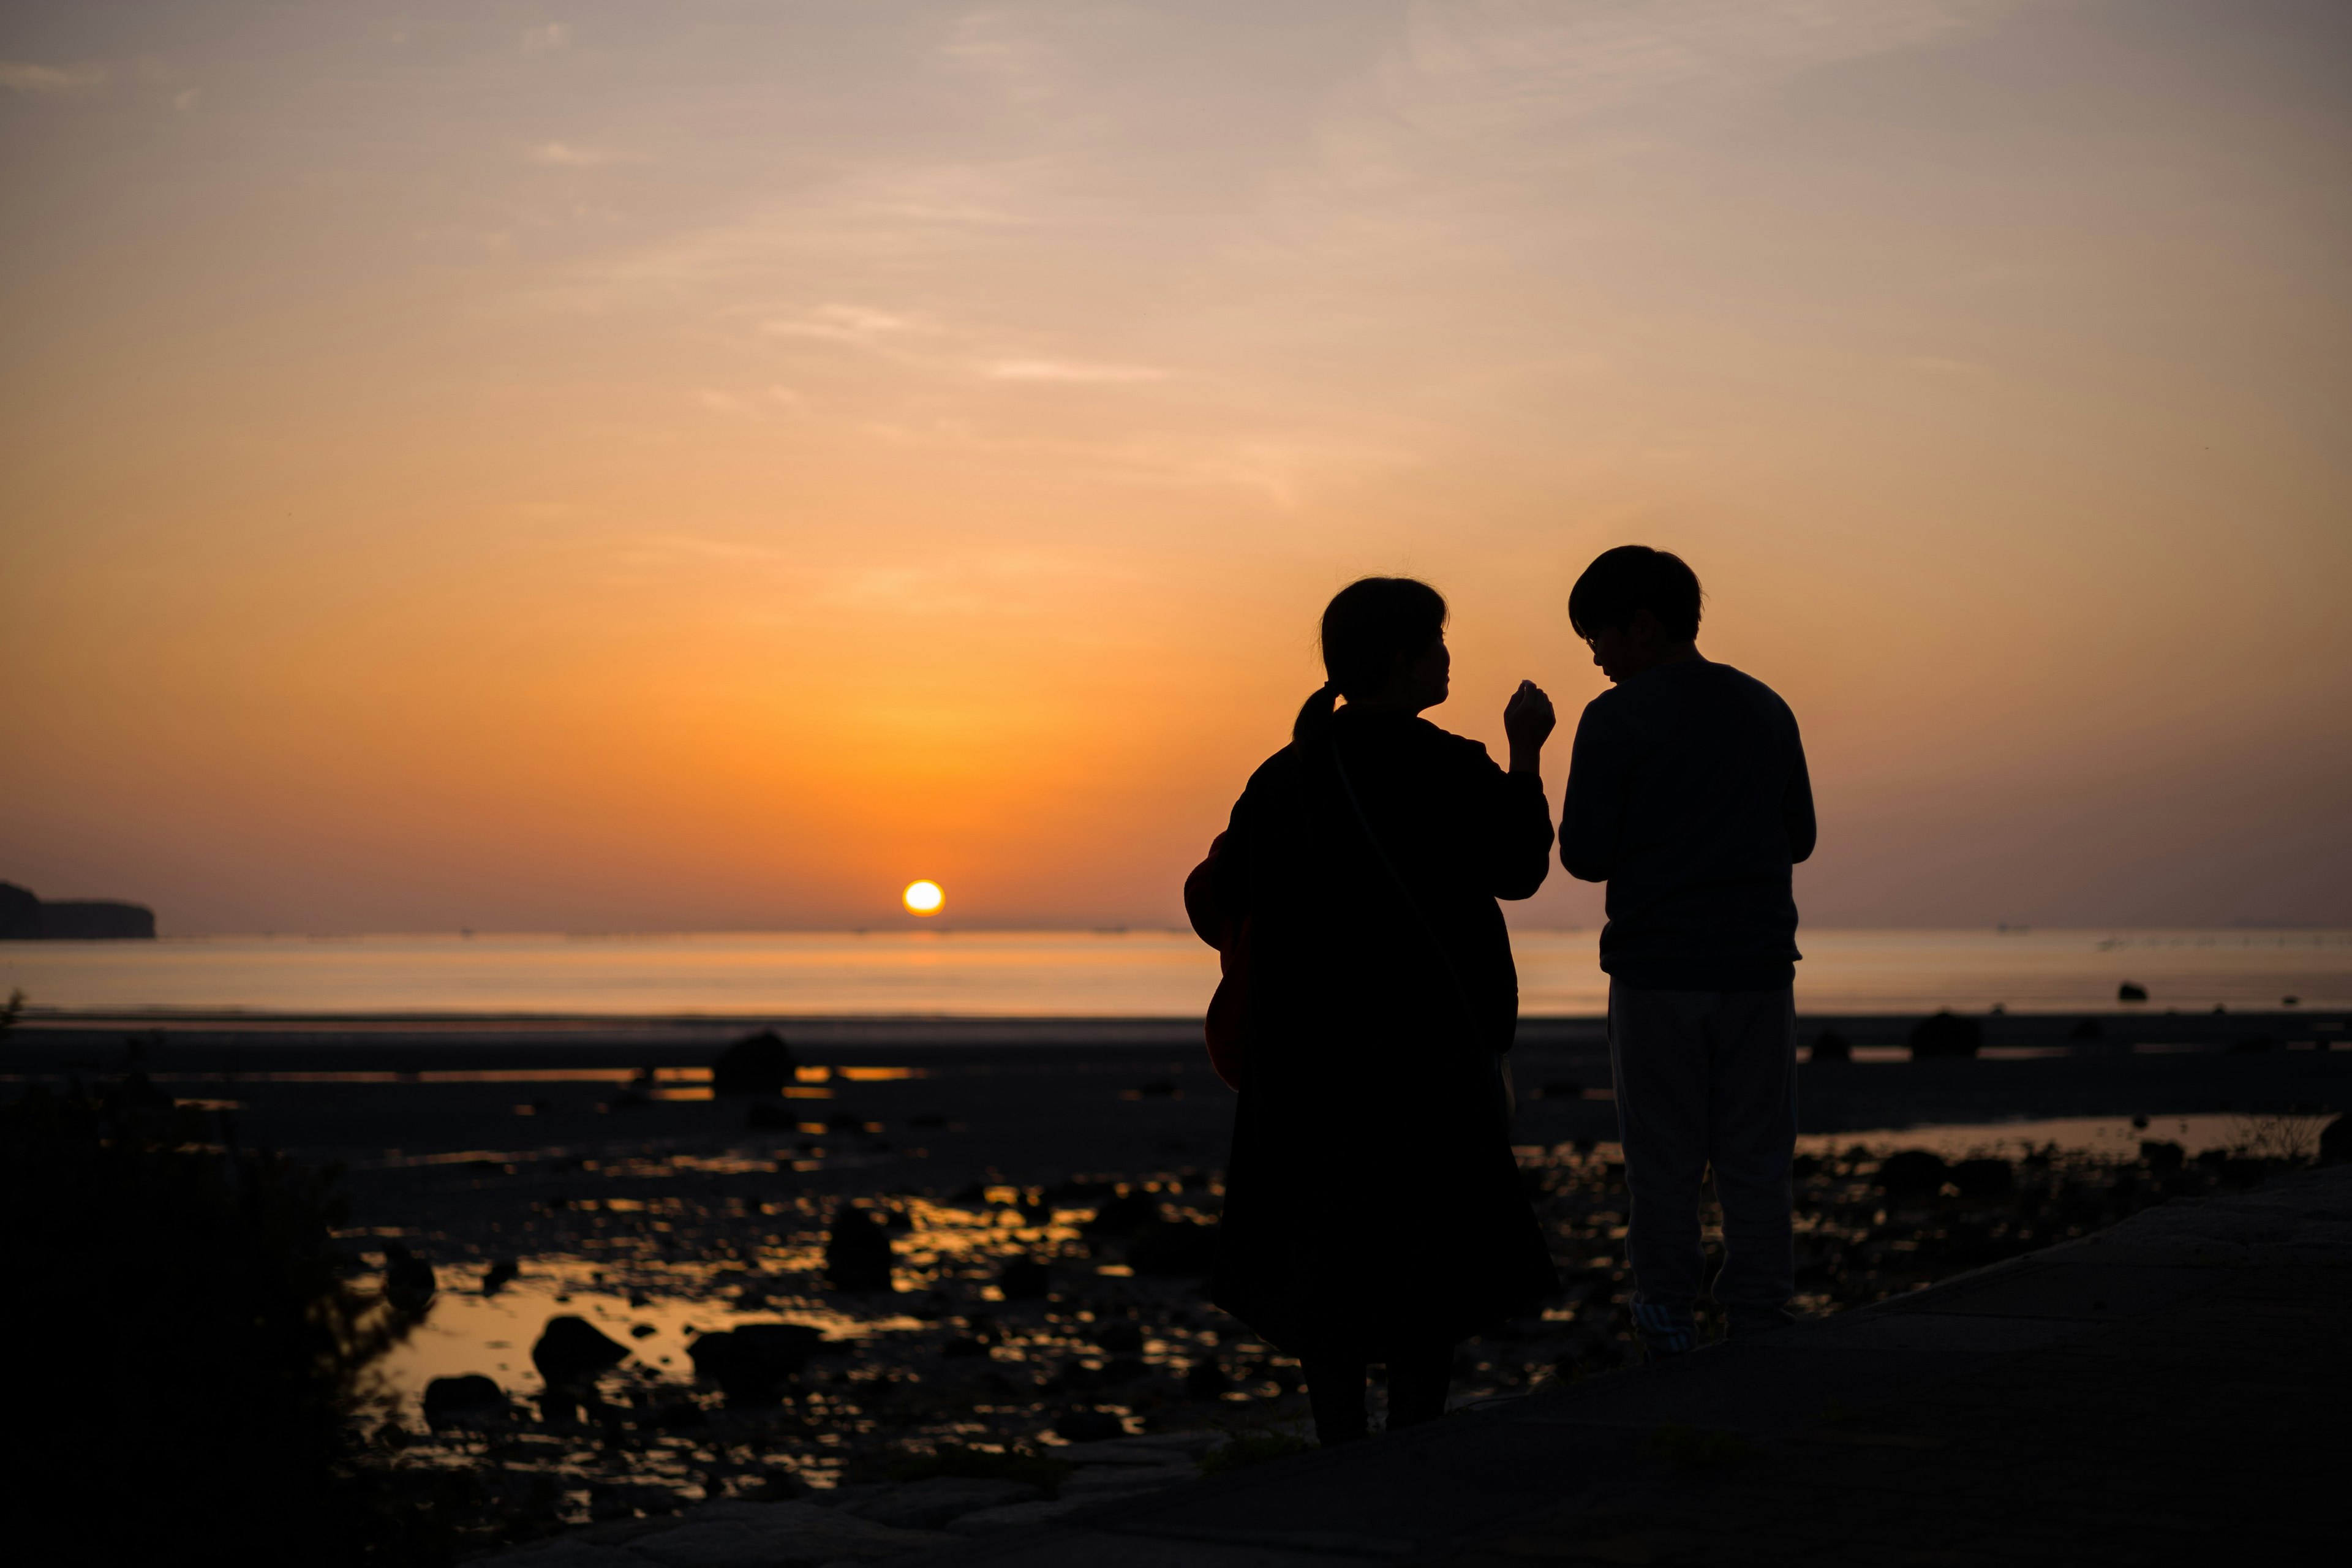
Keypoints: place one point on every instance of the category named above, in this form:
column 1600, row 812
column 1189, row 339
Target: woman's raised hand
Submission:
column 1528, row 724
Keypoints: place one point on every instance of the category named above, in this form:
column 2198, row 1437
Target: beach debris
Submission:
column 1946, row 1033
column 752, row 1364
column 2087, row 1029
column 1912, row 1171
column 1829, row 1045
column 499, row 1275
column 1026, row 1279
column 471, row 1402
column 2131, row 991
column 760, row 1064
column 572, row 1348
column 858, row 1252
column 408, row 1280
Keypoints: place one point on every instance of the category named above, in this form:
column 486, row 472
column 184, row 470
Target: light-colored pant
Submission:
column 1706, row 1077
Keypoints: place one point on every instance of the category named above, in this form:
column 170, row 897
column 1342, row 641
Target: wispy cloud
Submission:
column 19, row 76
column 566, row 155
column 1074, row 371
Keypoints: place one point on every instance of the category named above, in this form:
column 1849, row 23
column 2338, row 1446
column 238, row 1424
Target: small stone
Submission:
column 571, row 1349
column 460, row 1403
column 857, row 1253
column 1946, row 1033
column 757, row 1064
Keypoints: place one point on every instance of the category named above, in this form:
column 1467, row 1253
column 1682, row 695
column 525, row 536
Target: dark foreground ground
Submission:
column 1047, row 1191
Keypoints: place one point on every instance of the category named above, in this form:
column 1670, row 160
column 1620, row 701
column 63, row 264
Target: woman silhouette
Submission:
column 1374, row 1212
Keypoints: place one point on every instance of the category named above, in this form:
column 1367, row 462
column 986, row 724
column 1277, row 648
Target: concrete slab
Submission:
column 2093, row 1291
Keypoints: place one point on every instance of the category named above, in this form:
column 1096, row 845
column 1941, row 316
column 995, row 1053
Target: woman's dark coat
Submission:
column 1371, row 1200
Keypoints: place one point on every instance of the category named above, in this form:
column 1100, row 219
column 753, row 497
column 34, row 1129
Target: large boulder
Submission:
column 572, row 1350
column 858, row 1252
column 756, row 1064
column 753, row 1363
column 1946, row 1034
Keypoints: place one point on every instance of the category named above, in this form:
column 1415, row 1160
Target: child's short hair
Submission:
column 1635, row 577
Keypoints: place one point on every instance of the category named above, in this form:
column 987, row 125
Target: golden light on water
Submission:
column 924, row 898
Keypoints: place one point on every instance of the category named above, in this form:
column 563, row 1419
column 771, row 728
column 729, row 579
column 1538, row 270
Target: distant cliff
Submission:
column 24, row 917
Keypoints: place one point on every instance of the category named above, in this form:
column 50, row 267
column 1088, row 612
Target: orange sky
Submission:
column 607, row 467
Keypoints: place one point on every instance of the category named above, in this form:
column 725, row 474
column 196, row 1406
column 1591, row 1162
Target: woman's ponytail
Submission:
column 1315, row 714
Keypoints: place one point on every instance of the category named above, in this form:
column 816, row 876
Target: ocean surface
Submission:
column 1108, row 974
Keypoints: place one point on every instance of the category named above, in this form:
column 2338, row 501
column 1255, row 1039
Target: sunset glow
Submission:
column 669, row 469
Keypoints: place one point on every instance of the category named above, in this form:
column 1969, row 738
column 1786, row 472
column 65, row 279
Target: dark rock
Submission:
column 499, row 1275
column 1083, row 1425
column 1946, row 1035
column 136, row 1092
column 1829, row 1045
column 1124, row 1216
column 1205, row 1380
column 2087, row 1029
column 858, row 1252
column 408, row 1280
column 1121, row 1369
column 1984, row 1178
column 1912, row 1170
column 2164, row 1158
column 2336, row 1142
column 1025, row 1279
column 963, row 1346
column 571, row 1350
column 471, row 1402
column 1120, row 1336
column 756, row 1064
column 641, row 1331
column 1180, row 1250
column 1804, row 1167
column 2131, row 991
column 752, row 1364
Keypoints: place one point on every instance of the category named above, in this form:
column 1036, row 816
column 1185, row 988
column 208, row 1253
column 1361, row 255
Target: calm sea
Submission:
column 1099, row 975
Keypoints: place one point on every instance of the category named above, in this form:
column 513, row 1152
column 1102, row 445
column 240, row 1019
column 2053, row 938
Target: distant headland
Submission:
column 26, row 917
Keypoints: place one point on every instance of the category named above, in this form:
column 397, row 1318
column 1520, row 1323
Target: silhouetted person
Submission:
column 1687, row 795
column 1374, row 1212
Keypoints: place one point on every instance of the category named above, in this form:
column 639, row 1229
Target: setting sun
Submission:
column 924, row 898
